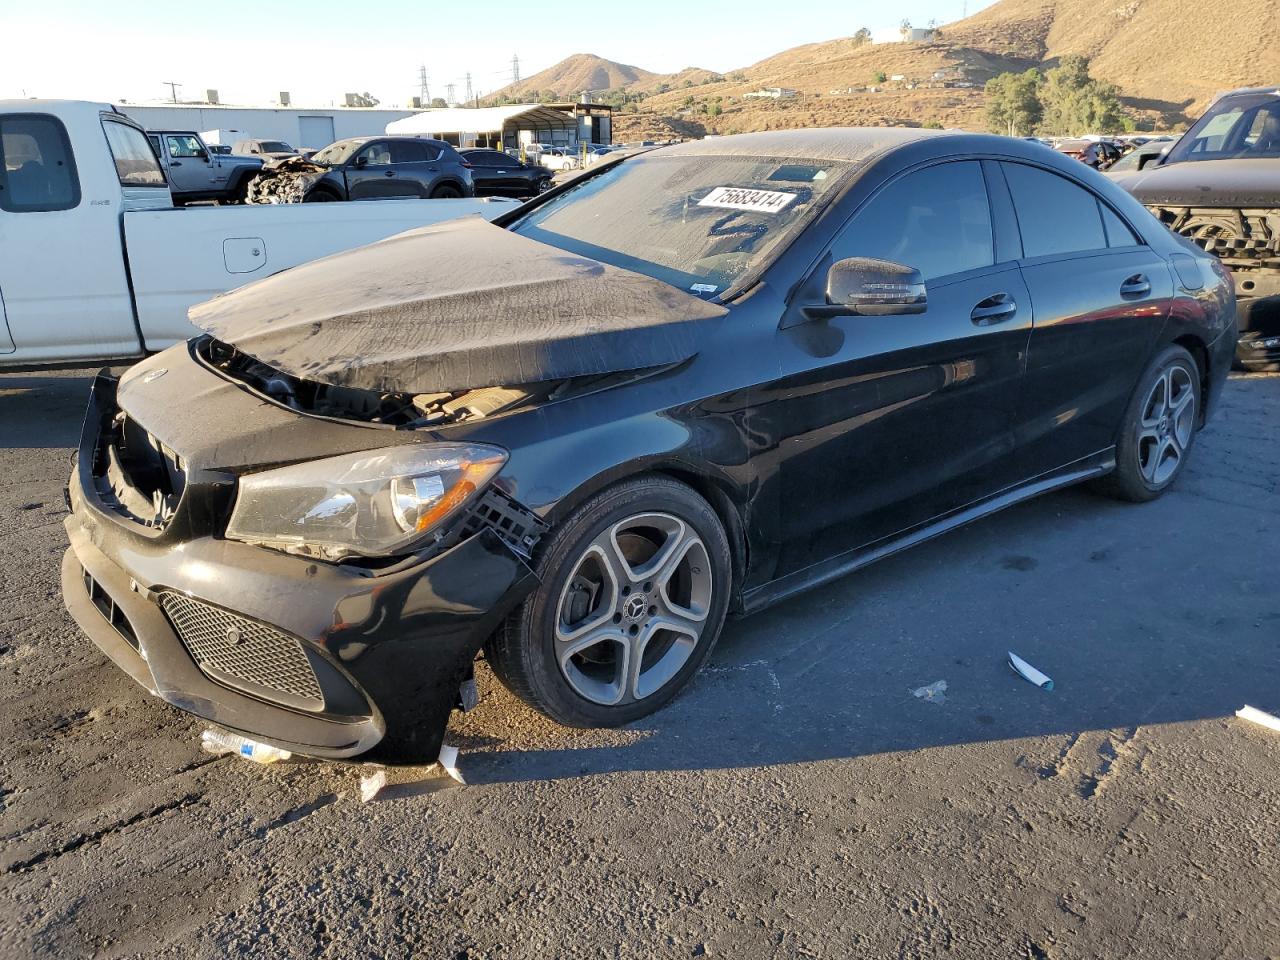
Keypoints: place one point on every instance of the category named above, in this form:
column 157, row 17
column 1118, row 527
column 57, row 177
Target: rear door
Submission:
column 413, row 168
column 1100, row 298
column 484, row 172
column 886, row 422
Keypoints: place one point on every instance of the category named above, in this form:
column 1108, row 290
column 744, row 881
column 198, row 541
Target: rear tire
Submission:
column 1158, row 430
column 634, row 589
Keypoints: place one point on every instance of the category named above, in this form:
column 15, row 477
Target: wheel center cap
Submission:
column 633, row 608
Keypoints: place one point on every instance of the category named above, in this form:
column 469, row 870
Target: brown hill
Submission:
column 575, row 74
column 1167, row 56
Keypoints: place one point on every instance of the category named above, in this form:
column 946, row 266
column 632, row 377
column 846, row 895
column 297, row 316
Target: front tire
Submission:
column 1159, row 429
column 634, row 590
column 446, row 191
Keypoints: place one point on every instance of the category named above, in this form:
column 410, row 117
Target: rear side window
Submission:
column 136, row 163
column 1118, row 233
column 937, row 220
column 37, row 168
column 407, row 151
column 1055, row 216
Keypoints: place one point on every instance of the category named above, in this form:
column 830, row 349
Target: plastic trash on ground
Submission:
column 371, row 784
column 219, row 742
column 935, row 692
column 1254, row 715
column 1029, row 673
column 449, row 762
column 398, row 782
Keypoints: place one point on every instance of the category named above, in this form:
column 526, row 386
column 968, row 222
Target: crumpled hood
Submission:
column 1207, row 183
column 453, row 306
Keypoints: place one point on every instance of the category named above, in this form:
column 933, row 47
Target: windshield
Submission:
column 275, row 146
column 701, row 223
column 336, row 153
column 1235, row 127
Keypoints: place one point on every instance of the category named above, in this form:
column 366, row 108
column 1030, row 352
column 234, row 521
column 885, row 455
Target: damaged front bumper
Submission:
column 321, row 659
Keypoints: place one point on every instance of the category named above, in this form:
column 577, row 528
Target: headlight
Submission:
column 371, row 504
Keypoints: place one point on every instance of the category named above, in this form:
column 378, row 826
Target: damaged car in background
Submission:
column 693, row 382
column 1219, row 186
column 367, row 168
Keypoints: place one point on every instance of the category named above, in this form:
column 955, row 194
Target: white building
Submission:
column 512, row 126
column 771, row 93
column 310, row 128
column 903, row 35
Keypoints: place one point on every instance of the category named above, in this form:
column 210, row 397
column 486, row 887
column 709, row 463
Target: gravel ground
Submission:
column 797, row 801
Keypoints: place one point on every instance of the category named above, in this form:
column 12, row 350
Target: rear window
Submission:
column 136, row 163
column 37, row 169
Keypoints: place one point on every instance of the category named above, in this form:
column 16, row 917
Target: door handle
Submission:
column 1136, row 286
column 175, row 163
column 995, row 309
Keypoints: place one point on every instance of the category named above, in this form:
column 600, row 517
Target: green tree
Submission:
column 1074, row 103
column 862, row 36
column 1013, row 102
column 879, row 77
column 438, row 103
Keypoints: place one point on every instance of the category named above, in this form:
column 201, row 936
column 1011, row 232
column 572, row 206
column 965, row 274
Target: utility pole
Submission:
column 515, row 68
column 449, row 97
column 173, row 89
column 424, row 91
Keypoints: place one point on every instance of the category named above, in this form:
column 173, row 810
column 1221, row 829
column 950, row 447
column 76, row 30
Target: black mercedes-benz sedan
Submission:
column 689, row 383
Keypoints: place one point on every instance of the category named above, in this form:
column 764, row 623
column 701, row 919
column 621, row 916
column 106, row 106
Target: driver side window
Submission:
column 375, row 154
column 936, row 219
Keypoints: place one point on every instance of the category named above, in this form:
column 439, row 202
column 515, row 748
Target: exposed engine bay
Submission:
column 1246, row 240
column 404, row 411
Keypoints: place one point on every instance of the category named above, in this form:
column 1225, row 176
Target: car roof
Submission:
column 831, row 143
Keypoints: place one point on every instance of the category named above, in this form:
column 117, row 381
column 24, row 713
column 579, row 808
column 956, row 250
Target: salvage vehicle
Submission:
column 693, row 381
column 1219, row 186
column 497, row 174
column 271, row 149
column 373, row 168
column 96, row 262
column 196, row 173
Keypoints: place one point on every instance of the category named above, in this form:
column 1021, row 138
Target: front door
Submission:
column 369, row 174
column 882, row 423
column 1100, row 298
column 191, row 168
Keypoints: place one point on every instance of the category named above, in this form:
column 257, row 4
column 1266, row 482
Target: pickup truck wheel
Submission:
column 446, row 191
column 634, row 588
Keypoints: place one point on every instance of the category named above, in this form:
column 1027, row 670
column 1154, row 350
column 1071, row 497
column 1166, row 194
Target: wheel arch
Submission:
column 1199, row 351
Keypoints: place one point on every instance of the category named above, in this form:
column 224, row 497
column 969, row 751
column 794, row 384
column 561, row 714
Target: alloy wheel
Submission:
column 1166, row 425
column 633, row 609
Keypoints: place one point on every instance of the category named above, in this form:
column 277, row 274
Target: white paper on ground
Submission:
column 935, row 692
column 1028, row 672
column 1254, row 715
column 449, row 762
column 370, row 785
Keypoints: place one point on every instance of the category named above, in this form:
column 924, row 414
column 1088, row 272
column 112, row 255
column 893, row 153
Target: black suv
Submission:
column 502, row 175
column 365, row 168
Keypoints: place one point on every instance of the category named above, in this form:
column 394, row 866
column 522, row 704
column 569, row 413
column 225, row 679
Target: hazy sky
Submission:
column 318, row 50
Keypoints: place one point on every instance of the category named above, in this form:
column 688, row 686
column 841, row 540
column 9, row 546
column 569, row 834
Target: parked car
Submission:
column 196, row 173
column 700, row 380
column 1139, row 157
column 1098, row 154
column 596, row 154
column 498, row 174
column 559, row 158
column 270, row 149
column 97, row 264
column 219, row 148
column 371, row 168
column 1219, row 187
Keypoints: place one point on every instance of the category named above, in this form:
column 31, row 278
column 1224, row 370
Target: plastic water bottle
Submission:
column 221, row 741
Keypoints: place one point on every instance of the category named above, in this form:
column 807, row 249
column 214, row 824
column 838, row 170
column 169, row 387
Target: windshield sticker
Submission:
column 741, row 198
column 704, row 288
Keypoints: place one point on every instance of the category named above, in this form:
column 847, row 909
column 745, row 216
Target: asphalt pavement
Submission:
column 799, row 800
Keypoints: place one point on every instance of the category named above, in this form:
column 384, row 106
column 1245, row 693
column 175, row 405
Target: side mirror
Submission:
column 862, row 286
column 361, row 161
column 203, row 155
column 1149, row 159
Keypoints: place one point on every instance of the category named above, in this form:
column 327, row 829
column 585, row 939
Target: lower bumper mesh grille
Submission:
column 243, row 653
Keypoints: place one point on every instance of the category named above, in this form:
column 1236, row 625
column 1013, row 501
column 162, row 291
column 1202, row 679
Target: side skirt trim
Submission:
column 786, row 587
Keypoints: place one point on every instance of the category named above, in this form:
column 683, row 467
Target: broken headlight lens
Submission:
column 373, row 504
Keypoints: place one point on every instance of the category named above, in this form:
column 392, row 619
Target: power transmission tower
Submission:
column 449, row 97
column 424, row 91
column 467, row 99
column 173, row 89
column 515, row 68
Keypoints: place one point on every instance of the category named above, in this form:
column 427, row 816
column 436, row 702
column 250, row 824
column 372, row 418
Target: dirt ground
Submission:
column 797, row 801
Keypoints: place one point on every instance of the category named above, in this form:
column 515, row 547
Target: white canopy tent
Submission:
column 505, row 128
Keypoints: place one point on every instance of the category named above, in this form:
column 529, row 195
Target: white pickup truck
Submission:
column 96, row 263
